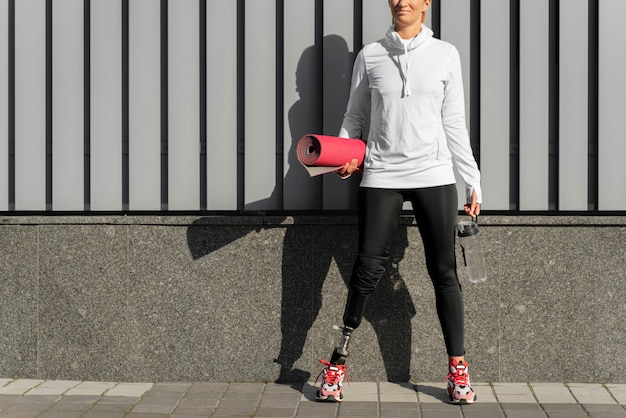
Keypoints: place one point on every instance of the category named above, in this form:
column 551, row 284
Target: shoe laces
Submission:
column 332, row 373
column 458, row 374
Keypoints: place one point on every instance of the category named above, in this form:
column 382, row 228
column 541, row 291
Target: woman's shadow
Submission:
column 309, row 250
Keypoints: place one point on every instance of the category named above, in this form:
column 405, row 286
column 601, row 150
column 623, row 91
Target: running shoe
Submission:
column 332, row 382
column 459, row 388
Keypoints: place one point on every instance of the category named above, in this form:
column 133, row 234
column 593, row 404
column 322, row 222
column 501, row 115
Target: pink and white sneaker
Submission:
column 333, row 376
column 459, row 388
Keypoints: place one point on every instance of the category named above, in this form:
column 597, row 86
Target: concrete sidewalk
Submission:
column 24, row 398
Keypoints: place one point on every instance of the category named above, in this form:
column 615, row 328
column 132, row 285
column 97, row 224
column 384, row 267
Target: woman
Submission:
column 408, row 86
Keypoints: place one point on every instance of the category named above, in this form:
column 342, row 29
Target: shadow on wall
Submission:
column 323, row 75
column 304, row 270
column 309, row 250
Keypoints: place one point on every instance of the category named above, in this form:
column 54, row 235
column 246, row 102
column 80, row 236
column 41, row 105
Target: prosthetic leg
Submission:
column 335, row 371
column 355, row 306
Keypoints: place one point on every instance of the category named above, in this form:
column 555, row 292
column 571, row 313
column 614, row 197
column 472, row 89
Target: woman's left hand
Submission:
column 472, row 209
column 348, row 168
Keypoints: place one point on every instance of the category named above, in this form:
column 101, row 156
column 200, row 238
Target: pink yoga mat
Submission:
column 321, row 154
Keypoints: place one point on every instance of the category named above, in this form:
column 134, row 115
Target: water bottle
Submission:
column 473, row 255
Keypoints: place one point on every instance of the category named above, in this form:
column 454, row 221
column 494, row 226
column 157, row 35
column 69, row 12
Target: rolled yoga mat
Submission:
column 321, row 154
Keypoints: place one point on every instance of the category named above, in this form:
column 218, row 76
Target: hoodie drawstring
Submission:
column 407, row 53
column 396, row 46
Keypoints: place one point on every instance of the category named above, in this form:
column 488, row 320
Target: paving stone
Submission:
column 19, row 387
column 67, row 399
column 484, row 393
column 594, row 408
column 566, row 407
column 566, row 414
column 111, row 407
column 618, row 391
column 431, row 392
column 494, row 412
column 590, row 393
column 236, row 408
column 552, row 393
column 520, row 389
column 411, row 412
column 148, row 408
column 53, row 387
column 279, row 400
column 129, row 389
column 69, row 407
column 275, row 412
column 60, row 414
column 79, row 399
column 440, row 414
column 370, row 412
column 37, row 399
column 90, row 388
column 192, row 411
column 525, row 414
column 106, row 414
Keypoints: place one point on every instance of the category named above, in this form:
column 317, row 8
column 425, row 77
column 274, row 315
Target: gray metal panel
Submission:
column 321, row 111
column 611, row 106
column 4, row 106
column 337, row 73
column 376, row 20
column 302, row 103
column 455, row 28
column 30, row 105
column 429, row 18
column 183, row 106
column 534, row 105
column 261, row 190
column 221, row 115
column 494, row 106
column 573, row 105
column 106, row 105
column 67, row 102
column 144, row 105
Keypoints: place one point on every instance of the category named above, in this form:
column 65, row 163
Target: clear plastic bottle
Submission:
column 473, row 254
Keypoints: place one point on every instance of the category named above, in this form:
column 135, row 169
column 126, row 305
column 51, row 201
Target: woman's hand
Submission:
column 472, row 209
column 348, row 168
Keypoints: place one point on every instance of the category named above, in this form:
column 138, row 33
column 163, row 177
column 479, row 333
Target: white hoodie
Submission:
column 411, row 94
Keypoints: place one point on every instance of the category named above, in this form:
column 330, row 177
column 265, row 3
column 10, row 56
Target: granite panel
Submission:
column 214, row 299
column 315, row 268
column 608, row 273
column 429, row 358
column 547, row 310
column 205, row 317
column 482, row 308
column 83, row 297
column 18, row 310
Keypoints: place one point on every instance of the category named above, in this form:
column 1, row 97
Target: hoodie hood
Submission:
column 394, row 43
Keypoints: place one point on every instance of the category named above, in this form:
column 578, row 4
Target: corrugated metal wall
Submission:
column 186, row 105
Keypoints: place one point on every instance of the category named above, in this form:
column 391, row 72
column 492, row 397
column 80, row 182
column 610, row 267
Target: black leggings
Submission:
column 436, row 211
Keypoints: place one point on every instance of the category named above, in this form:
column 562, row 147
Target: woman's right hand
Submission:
column 348, row 168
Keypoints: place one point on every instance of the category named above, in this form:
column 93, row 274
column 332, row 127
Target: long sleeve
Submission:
column 357, row 113
column 455, row 128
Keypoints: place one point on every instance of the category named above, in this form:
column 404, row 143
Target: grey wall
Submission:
column 186, row 105
column 209, row 298
column 193, row 106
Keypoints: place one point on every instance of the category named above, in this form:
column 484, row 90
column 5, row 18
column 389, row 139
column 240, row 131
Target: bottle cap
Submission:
column 467, row 228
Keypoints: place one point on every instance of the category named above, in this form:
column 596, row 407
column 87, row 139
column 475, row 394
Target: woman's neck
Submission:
column 408, row 32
